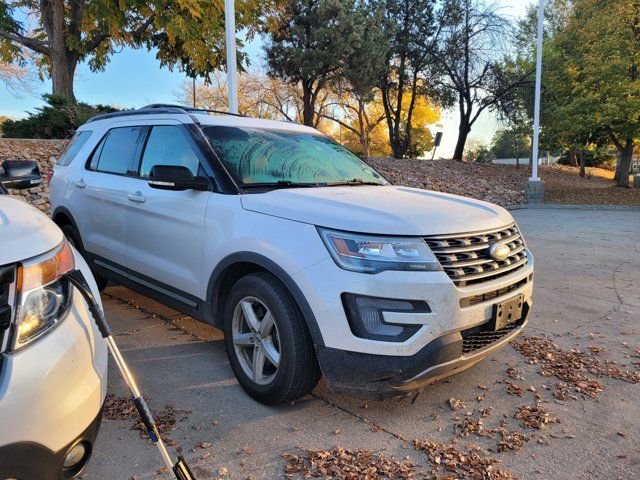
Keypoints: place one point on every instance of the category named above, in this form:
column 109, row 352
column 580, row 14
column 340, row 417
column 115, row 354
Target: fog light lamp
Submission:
column 366, row 319
column 76, row 455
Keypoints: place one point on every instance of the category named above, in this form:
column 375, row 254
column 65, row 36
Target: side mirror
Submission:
column 176, row 177
column 20, row 174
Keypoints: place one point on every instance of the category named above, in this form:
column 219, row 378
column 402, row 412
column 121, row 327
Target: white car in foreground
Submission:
column 53, row 361
column 306, row 257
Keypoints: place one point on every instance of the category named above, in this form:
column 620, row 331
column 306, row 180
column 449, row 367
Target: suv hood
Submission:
column 387, row 210
column 25, row 231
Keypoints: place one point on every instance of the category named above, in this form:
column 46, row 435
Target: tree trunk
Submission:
column 63, row 69
column 398, row 148
column 517, row 155
column 582, row 164
column 625, row 164
column 307, row 105
column 63, row 61
column 463, row 133
column 364, row 143
column 572, row 158
column 616, row 176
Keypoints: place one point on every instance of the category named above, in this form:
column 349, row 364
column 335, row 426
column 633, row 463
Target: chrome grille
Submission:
column 466, row 258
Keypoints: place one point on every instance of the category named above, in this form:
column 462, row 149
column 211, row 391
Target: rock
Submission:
column 45, row 153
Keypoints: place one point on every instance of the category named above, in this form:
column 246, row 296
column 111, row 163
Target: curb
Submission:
column 632, row 208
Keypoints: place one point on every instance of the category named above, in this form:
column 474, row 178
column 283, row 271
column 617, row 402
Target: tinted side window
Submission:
column 116, row 152
column 73, row 147
column 167, row 145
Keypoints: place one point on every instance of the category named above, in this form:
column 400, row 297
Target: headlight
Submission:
column 43, row 296
column 374, row 254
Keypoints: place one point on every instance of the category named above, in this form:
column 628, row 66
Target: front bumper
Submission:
column 323, row 284
column 368, row 367
column 381, row 376
column 32, row 461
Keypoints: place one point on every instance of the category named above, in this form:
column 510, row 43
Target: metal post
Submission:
column 232, row 73
column 534, row 189
column 536, row 115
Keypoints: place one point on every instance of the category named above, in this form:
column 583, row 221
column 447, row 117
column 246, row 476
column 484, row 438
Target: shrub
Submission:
column 59, row 118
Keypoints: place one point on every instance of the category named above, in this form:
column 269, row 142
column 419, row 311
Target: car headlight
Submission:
column 374, row 254
column 43, row 295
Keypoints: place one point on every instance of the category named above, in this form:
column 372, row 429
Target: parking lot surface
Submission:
column 587, row 297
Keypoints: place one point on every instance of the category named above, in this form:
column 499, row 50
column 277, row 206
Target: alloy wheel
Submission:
column 256, row 340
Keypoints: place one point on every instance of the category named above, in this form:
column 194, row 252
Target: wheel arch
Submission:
column 61, row 216
column 233, row 267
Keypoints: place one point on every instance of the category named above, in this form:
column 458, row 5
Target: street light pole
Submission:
column 536, row 111
column 534, row 190
column 232, row 73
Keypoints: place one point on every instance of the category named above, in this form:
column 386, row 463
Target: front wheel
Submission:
column 268, row 344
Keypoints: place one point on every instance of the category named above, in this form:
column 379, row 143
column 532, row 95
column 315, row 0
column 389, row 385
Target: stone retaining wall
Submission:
column 45, row 153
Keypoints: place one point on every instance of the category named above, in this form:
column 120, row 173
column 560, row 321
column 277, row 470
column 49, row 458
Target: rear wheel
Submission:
column 74, row 239
column 269, row 347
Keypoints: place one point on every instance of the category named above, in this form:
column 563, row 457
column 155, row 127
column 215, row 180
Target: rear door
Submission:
column 165, row 229
column 100, row 193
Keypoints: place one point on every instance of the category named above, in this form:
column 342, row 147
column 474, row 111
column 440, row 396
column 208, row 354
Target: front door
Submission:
column 165, row 229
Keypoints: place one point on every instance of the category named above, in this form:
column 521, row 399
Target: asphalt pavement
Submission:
column 587, row 294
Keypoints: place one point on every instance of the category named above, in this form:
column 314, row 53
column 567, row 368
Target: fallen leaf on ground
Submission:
column 346, row 464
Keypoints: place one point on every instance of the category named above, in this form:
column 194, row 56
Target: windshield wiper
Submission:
column 280, row 184
column 355, row 181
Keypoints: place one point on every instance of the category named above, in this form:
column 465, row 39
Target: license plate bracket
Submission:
column 507, row 312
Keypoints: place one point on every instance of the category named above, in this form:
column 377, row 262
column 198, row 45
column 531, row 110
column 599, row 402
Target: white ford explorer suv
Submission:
column 53, row 361
column 306, row 257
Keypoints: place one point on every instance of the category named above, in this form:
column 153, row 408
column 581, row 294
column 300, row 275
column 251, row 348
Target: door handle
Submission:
column 80, row 183
column 137, row 197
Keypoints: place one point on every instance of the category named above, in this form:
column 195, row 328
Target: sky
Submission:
column 133, row 78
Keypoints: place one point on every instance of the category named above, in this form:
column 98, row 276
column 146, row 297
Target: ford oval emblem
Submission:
column 499, row 251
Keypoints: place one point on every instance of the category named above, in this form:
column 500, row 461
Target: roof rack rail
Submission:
column 156, row 108
column 141, row 111
column 192, row 109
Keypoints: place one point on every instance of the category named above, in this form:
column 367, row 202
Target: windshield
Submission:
column 256, row 156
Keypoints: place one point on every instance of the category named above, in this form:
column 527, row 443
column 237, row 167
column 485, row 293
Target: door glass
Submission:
column 167, row 145
column 74, row 146
column 116, row 152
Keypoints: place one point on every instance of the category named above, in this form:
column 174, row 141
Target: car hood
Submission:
column 380, row 209
column 25, row 231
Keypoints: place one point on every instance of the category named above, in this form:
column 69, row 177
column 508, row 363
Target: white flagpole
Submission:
column 536, row 115
column 232, row 73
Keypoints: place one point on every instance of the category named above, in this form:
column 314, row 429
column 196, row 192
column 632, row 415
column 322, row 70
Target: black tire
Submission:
column 74, row 239
column 298, row 371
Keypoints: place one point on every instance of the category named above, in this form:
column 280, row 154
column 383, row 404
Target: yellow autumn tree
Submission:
column 363, row 130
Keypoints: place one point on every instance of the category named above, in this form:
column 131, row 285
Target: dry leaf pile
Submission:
column 345, row 464
column 534, row 416
column 118, row 408
column 166, row 420
column 122, row 408
column 504, row 184
column 508, row 439
column 449, row 462
column 571, row 366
